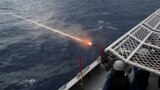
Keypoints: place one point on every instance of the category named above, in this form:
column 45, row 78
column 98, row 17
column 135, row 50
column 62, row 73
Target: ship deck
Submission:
column 97, row 81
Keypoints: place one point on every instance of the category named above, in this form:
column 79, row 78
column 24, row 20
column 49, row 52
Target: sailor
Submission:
column 140, row 81
column 117, row 80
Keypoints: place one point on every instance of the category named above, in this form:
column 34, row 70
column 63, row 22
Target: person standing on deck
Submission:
column 140, row 81
column 117, row 80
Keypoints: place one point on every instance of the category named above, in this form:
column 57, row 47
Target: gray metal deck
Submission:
column 97, row 81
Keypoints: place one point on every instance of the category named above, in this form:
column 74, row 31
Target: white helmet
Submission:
column 119, row 65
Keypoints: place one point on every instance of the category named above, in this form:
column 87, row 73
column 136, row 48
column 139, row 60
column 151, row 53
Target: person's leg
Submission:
column 135, row 85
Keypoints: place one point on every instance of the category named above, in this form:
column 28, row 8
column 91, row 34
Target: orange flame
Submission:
column 88, row 42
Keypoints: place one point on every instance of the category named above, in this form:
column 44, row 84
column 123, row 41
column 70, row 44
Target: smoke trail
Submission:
column 49, row 28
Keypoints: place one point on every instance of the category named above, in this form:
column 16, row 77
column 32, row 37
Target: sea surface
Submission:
column 34, row 58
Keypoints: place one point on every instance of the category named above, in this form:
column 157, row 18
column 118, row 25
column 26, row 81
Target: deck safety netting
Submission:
column 141, row 33
column 126, row 47
column 147, row 56
column 154, row 39
column 153, row 22
column 140, row 47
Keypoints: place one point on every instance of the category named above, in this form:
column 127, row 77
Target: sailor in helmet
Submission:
column 141, row 77
column 117, row 80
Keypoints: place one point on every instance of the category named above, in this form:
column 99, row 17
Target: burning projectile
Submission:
column 87, row 42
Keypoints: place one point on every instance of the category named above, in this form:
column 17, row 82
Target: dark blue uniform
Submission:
column 140, row 81
column 117, row 81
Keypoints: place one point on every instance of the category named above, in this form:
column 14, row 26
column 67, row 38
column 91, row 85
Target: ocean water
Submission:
column 34, row 58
